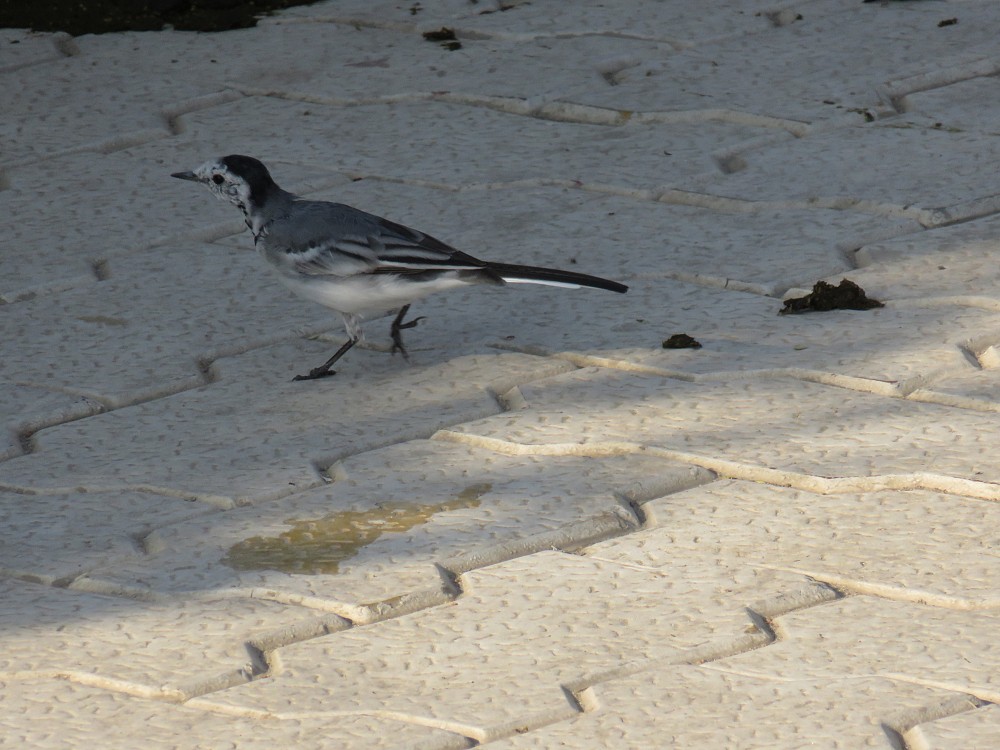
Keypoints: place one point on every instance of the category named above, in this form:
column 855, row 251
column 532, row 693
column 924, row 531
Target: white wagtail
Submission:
column 354, row 262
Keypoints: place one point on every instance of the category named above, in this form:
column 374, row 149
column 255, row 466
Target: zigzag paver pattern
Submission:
column 549, row 531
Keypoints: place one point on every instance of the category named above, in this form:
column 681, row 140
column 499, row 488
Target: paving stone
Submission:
column 51, row 714
column 979, row 728
column 885, row 162
column 361, row 63
column 718, row 566
column 909, row 545
column 25, row 409
column 120, row 89
column 254, row 434
column 462, row 147
column 744, row 333
column 949, row 261
column 747, row 72
column 867, row 637
column 75, row 211
column 699, row 708
column 50, row 538
column 21, row 47
column 562, row 616
column 391, row 517
column 979, row 389
column 129, row 339
column 169, row 649
column 780, row 424
column 519, row 19
column 963, row 105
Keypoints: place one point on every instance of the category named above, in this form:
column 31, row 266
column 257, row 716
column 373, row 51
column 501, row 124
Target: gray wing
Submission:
column 317, row 238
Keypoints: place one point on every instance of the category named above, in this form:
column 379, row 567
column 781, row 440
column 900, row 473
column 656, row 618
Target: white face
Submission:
column 223, row 183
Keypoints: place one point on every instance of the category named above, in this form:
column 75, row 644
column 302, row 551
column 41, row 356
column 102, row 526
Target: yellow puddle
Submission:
column 315, row 546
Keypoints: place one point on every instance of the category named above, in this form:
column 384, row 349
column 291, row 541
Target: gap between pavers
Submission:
column 496, row 659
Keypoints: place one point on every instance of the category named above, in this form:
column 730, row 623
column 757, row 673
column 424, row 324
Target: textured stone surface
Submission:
column 979, row 728
column 461, row 148
column 599, row 617
column 954, row 261
column 171, row 649
column 701, row 707
column 137, row 335
column 916, row 545
column 865, row 636
column 368, row 537
column 965, row 105
column 268, row 435
column 55, row 714
column 787, row 425
column 55, row 537
column 885, row 162
column 547, row 530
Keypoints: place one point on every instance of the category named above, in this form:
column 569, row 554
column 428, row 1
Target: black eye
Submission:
column 218, row 179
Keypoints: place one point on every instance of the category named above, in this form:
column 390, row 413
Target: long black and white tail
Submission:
column 515, row 274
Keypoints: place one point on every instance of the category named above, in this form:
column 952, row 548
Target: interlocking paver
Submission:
column 979, row 728
column 748, row 72
column 912, row 545
column 98, row 342
column 25, row 409
column 702, row 708
column 57, row 715
column 978, row 389
column 462, row 664
column 76, row 210
column 171, row 649
column 488, row 544
column 953, row 261
column 56, row 537
column 864, row 636
column 369, row 537
column 632, row 18
column 403, row 63
column 963, row 105
column 21, row 47
column 461, row 147
column 782, row 424
column 883, row 162
column 218, row 446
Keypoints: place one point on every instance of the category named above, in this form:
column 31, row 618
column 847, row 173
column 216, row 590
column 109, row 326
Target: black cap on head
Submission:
column 255, row 174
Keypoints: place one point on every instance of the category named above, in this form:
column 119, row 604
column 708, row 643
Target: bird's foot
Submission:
column 397, row 326
column 315, row 374
column 324, row 371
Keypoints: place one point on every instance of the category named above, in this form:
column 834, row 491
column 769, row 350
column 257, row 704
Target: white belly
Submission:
column 366, row 295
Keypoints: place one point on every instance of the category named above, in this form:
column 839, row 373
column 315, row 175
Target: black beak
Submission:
column 186, row 176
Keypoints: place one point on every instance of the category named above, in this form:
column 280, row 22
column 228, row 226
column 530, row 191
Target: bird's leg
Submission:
column 324, row 369
column 397, row 326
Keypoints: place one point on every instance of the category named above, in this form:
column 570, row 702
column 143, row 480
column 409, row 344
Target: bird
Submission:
column 356, row 263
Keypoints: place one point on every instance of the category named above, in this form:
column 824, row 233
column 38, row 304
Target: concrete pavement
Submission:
column 548, row 531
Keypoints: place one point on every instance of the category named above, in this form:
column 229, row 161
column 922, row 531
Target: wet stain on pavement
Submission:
column 317, row 546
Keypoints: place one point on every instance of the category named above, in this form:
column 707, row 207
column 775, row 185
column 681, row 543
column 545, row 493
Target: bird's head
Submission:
column 241, row 180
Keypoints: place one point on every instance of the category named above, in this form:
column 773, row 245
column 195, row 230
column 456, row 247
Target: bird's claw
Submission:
column 411, row 323
column 315, row 374
column 397, row 326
